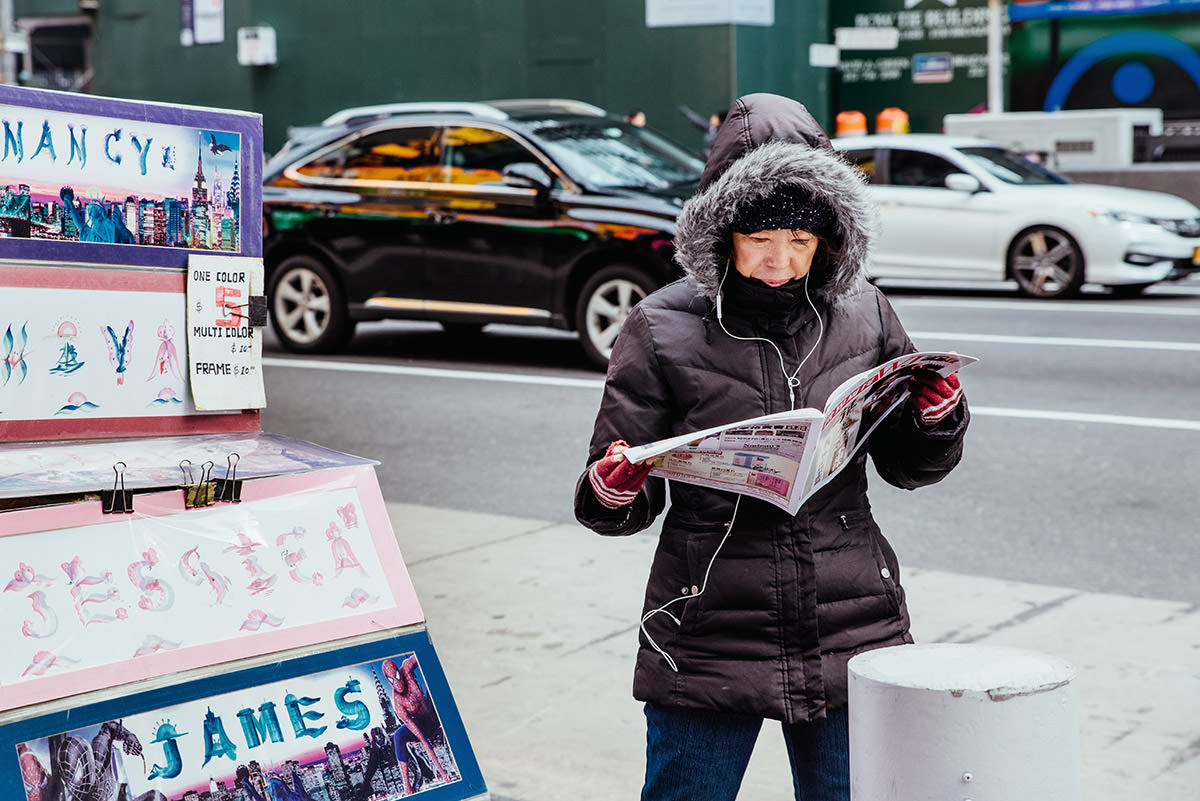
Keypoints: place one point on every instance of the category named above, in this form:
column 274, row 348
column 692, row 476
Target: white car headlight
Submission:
column 1188, row 226
column 1112, row 216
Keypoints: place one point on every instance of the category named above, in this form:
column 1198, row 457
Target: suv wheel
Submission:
column 605, row 302
column 307, row 309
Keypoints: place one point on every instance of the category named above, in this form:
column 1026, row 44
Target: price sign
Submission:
column 224, row 350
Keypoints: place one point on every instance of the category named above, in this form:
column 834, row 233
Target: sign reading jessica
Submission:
column 94, row 604
column 224, row 350
column 108, row 173
column 371, row 721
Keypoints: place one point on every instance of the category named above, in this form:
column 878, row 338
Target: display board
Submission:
column 191, row 608
column 94, row 600
column 374, row 720
column 99, row 180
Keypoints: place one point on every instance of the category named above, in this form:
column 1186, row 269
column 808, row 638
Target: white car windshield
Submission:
column 1010, row 167
column 608, row 154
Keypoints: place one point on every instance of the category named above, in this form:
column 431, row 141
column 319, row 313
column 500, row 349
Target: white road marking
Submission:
column 598, row 383
column 430, row 372
column 1050, row 306
column 1069, row 342
column 1083, row 417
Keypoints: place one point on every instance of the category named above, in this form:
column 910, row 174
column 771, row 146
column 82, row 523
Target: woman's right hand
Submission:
column 615, row 480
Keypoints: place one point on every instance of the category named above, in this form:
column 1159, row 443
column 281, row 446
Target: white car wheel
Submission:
column 1046, row 263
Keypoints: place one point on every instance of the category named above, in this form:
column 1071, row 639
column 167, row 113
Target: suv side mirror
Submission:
column 961, row 182
column 528, row 175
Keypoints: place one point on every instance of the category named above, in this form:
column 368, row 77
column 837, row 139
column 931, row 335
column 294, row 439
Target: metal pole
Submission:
column 952, row 721
column 8, row 59
column 995, row 56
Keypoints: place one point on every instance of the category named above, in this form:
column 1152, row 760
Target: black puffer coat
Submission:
column 789, row 599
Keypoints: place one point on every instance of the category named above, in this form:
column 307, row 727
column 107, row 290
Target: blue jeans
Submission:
column 697, row 755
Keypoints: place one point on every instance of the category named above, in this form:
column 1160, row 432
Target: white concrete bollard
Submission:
column 945, row 722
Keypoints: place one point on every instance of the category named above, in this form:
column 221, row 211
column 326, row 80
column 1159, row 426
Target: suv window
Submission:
column 606, row 154
column 479, row 155
column 914, row 168
column 395, row 154
column 863, row 161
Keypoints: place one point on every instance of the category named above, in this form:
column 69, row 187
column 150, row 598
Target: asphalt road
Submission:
column 1081, row 467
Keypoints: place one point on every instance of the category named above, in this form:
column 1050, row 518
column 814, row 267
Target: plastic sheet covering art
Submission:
column 31, row 469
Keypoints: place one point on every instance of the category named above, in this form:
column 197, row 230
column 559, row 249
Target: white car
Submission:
column 956, row 208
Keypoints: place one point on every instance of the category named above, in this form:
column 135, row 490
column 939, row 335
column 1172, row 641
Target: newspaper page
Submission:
column 765, row 457
column 859, row 405
column 783, row 458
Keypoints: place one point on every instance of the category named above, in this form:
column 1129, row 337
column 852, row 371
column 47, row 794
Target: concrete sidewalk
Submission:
column 536, row 626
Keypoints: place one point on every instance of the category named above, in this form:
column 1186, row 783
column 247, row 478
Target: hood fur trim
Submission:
column 703, row 231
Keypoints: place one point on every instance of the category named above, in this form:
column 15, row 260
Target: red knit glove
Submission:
column 615, row 480
column 932, row 397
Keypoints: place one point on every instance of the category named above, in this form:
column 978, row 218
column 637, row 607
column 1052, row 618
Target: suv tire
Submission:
column 602, row 306
column 308, row 311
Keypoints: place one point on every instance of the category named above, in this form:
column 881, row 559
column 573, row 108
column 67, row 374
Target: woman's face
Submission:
column 774, row 257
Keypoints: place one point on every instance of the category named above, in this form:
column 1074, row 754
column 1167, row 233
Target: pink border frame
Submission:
column 111, row 278
column 407, row 610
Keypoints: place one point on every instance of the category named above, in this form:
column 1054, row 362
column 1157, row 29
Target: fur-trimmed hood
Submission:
column 767, row 141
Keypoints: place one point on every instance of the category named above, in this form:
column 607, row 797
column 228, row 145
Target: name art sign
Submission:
column 303, row 559
column 371, row 721
column 108, row 174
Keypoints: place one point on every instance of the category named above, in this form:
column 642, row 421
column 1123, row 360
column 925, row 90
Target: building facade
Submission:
column 296, row 61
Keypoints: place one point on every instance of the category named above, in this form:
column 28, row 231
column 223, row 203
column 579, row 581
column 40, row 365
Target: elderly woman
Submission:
column 751, row 613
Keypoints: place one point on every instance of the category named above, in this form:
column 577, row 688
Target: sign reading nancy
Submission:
column 111, row 174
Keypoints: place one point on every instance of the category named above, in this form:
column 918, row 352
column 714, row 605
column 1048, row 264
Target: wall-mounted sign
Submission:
column 1050, row 9
column 823, row 55
column 256, row 46
column 939, row 64
column 201, row 22
column 932, row 68
column 679, row 13
column 881, row 38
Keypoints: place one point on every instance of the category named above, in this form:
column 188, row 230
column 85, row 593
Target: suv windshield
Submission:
column 1011, row 167
column 607, row 154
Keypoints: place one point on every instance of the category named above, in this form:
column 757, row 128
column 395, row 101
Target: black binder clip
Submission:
column 118, row 500
column 229, row 489
column 198, row 493
column 257, row 311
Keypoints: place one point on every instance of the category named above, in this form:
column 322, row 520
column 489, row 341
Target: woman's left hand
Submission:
column 932, row 397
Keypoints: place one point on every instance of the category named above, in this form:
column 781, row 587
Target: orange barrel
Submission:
column 891, row 120
column 851, row 123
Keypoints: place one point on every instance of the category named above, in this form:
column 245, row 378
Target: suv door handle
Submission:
column 441, row 216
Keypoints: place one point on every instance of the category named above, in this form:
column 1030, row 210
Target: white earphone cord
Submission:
column 703, row 586
column 792, row 380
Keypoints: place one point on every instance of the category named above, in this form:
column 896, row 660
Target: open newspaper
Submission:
column 783, row 458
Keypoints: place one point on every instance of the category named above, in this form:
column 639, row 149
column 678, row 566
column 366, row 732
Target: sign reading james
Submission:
column 110, row 175
column 371, row 721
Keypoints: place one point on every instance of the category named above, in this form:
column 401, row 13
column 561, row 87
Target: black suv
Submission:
column 536, row 212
